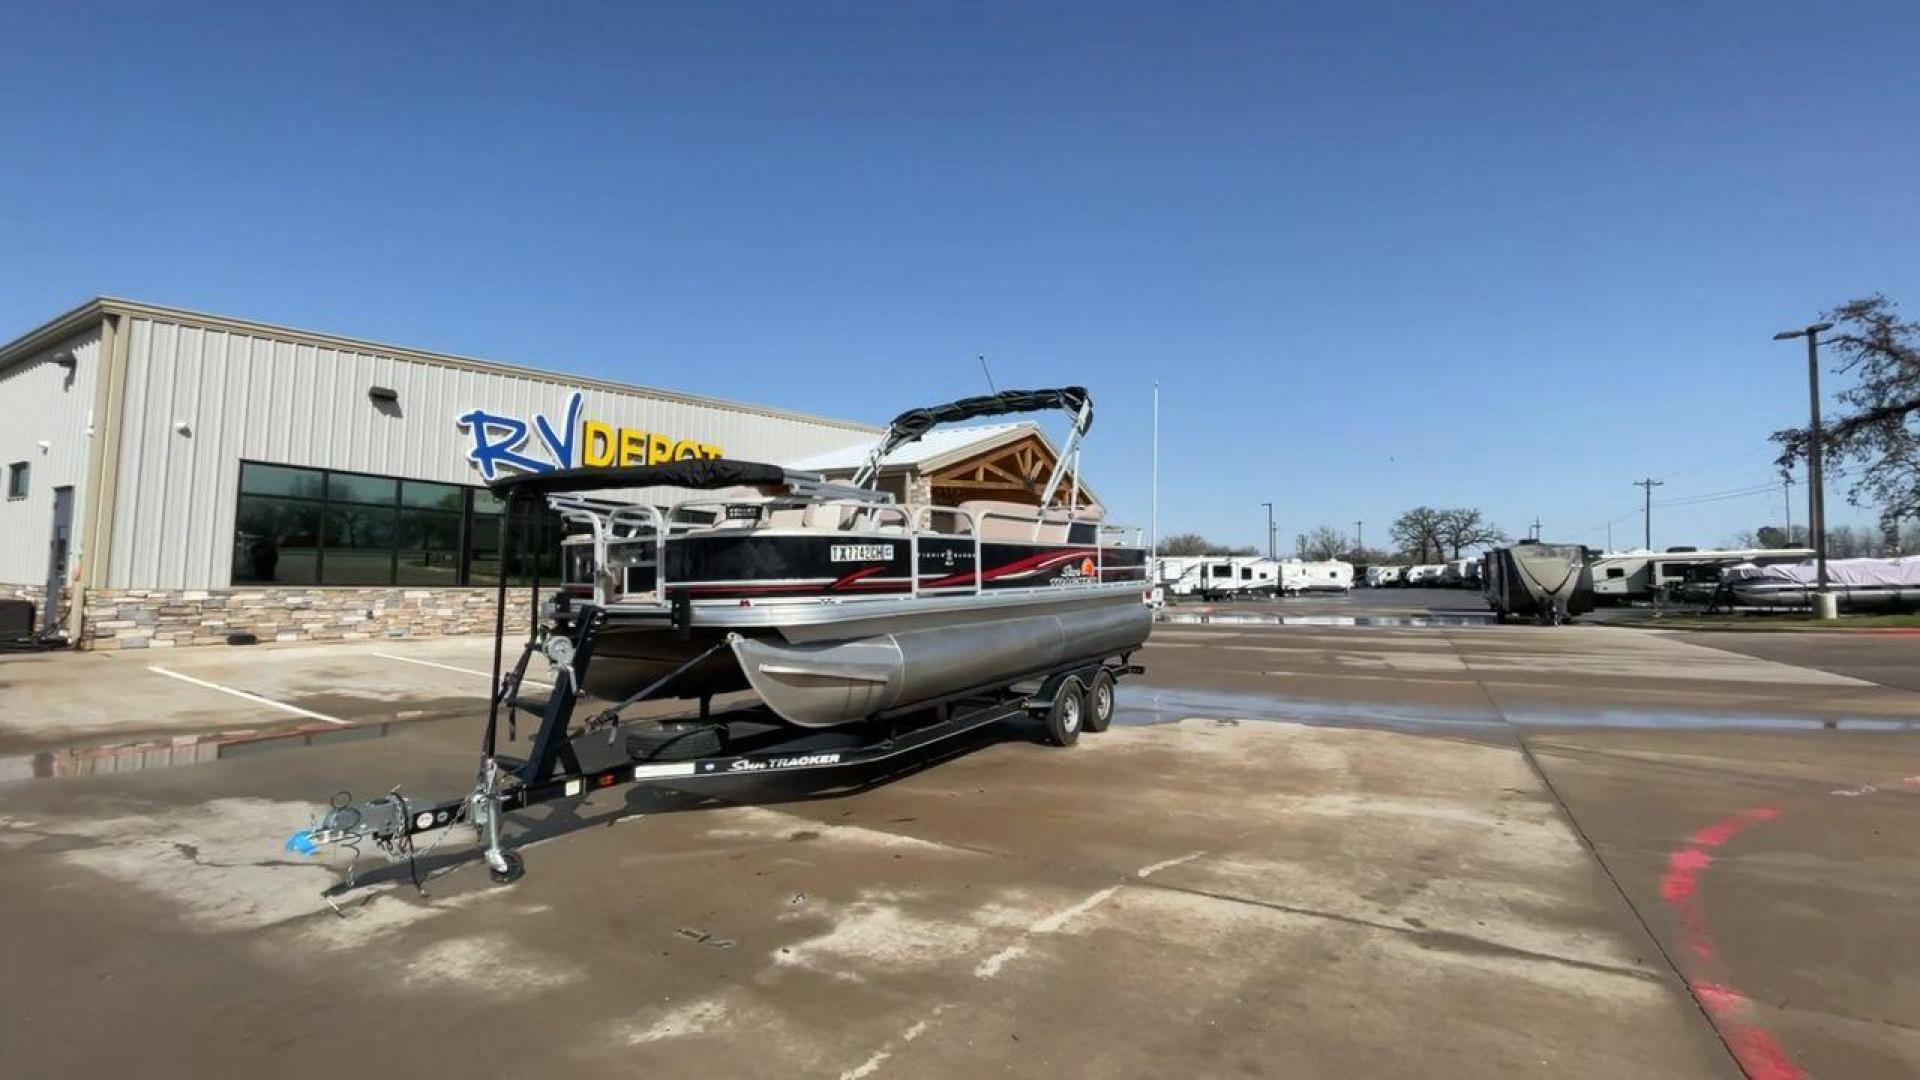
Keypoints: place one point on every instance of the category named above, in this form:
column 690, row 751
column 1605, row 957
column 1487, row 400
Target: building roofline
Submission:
column 52, row 332
column 73, row 322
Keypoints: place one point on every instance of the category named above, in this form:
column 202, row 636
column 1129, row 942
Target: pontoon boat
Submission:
column 832, row 601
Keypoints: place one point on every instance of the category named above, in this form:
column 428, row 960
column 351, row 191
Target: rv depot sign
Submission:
column 502, row 442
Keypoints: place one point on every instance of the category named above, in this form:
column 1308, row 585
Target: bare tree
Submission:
column 1195, row 544
column 1847, row 542
column 1418, row 532
column 1772, row 536
column 1184, row 544
column 1465, row 527
column 1880, row 425
column 1325, row 542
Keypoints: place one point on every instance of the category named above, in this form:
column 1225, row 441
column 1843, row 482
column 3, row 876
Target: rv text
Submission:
column 501, row 441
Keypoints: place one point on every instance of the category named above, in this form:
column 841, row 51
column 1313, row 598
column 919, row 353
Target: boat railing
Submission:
column 624, row 537
column 628, row 540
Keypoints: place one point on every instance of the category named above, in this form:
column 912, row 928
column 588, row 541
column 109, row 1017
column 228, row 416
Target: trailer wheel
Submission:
column 1100, row 702
column 516, row 869
column 1065, row 715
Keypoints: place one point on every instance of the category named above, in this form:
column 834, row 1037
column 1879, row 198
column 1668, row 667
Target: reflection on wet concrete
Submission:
column 1145, row 705
column 1262, row 618
column 1696, row 721
column 124, row 757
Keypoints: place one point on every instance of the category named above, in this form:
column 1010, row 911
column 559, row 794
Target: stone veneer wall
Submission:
column 162, row 618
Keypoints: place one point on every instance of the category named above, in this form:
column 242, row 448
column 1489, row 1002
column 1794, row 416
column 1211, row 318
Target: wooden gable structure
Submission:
column 1013, row 472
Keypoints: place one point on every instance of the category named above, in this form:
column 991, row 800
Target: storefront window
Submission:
column 536, row 542
column 319, row 527
column 276, row 542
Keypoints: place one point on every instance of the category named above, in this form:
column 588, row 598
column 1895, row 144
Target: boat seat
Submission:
column 994, row 527
column 786, row 517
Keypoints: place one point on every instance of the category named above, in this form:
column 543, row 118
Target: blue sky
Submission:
column 1504, row 255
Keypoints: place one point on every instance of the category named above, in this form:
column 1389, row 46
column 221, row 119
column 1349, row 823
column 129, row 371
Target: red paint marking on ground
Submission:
column 1758, row 1053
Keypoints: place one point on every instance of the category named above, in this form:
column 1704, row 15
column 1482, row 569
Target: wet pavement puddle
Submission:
column 100, row 759
column 1261, row 618
column 1142, row 706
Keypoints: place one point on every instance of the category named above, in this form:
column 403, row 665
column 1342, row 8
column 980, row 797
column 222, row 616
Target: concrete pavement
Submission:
column 1304, row 851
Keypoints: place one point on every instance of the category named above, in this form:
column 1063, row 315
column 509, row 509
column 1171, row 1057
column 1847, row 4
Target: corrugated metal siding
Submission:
column 37, row 401
column 295, row 403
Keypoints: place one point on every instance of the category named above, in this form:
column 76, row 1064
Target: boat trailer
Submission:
column 568, row 761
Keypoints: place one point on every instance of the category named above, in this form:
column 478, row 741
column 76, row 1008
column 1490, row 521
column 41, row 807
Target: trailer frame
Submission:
column 567, row 761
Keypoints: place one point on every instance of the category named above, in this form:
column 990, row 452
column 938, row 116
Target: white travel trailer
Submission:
column 1382, row 576
column 1623, row 577
column 1426, row 574
column 1178, row 575
column 1328, row 575
column 1219, row 577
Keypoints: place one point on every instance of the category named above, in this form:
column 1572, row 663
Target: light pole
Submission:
column 1824, row 605
column 1269, row 507
column 1360, row 539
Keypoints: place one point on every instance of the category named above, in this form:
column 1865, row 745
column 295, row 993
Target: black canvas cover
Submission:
column 701, row 473
column 914, row 423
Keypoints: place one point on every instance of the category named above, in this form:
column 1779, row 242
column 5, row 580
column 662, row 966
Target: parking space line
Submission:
column 255, row 698
column 449, row 667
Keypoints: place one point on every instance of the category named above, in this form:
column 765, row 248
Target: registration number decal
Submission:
column 861, row 553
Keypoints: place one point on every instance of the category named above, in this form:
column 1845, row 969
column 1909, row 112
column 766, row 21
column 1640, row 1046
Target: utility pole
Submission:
column 1824, row 606
column 1536, row 527
column 1154, row 542
column 1359, row 538
column 1649, row 484
column 1609, row 536
column 1786, row 500
column 1269, row 507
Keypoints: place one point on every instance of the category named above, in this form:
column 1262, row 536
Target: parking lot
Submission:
column 1326, row 837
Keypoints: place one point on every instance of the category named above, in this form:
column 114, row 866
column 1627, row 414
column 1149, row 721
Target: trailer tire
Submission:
column 1100, row 702
column 1065, row 715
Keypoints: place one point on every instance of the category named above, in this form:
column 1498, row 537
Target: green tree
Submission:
column 1878, row 426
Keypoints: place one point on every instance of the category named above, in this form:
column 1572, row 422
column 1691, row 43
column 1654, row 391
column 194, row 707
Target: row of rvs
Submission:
column 1458, row 574
column 1678, row 573
column 1225, row 577
column 1555, row 582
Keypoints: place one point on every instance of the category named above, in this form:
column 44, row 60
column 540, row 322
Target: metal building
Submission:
column 159, row 460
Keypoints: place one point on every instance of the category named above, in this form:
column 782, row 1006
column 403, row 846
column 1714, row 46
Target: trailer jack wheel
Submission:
column 514, row 869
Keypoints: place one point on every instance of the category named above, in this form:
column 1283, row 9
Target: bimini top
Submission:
column 914, row 423
column 701, row 473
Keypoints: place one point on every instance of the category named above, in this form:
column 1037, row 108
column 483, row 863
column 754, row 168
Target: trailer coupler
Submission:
column 391, row 821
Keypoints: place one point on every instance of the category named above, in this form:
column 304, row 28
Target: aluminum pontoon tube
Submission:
column 825, row 685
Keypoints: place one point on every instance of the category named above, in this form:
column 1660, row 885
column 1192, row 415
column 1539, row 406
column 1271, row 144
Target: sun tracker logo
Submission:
column 801, row 761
